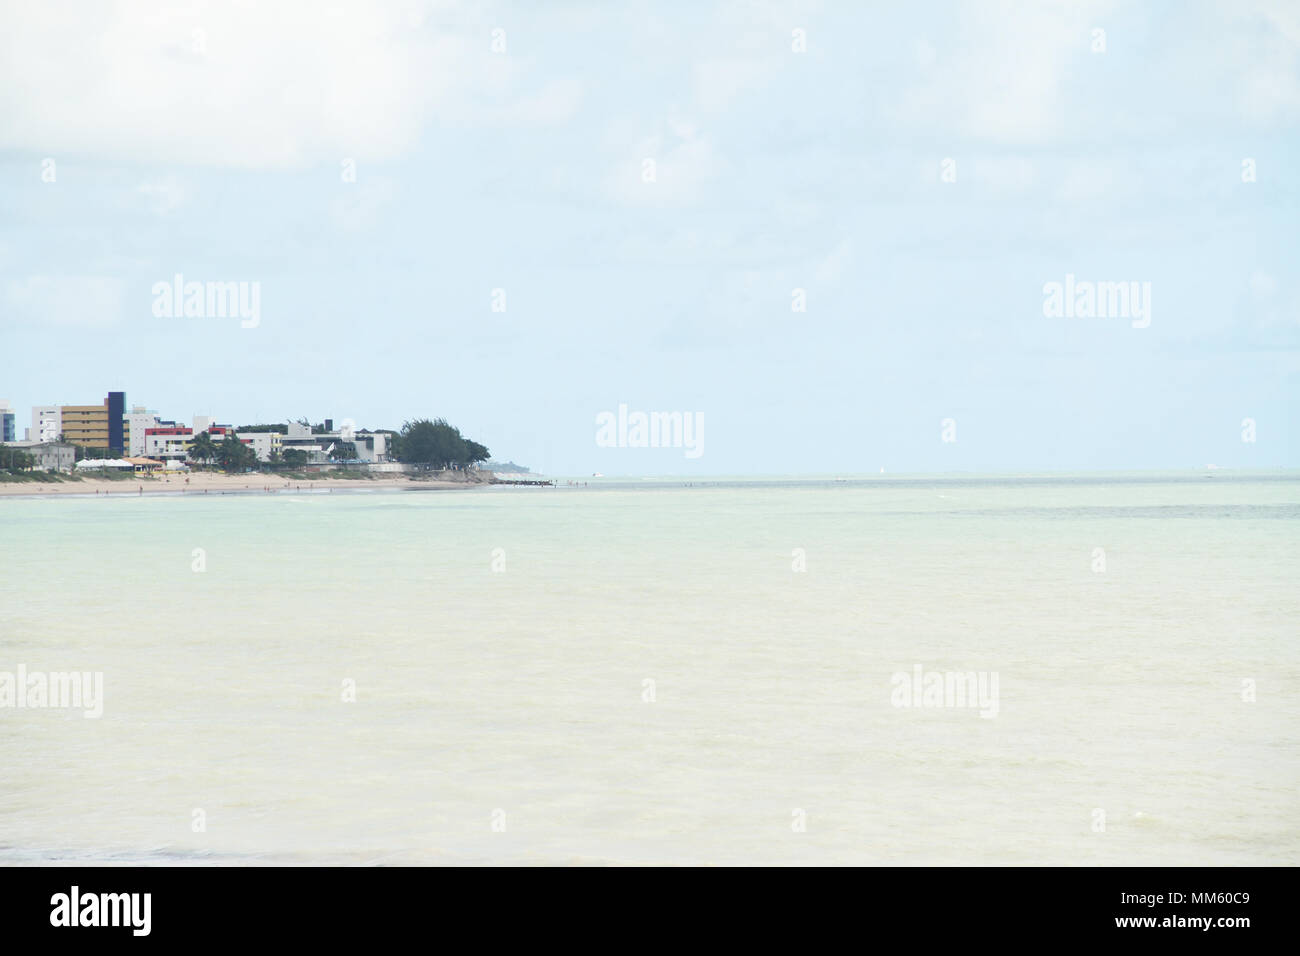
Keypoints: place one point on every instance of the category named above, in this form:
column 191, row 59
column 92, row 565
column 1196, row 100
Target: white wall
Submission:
column 139, row 422
column 46, row 423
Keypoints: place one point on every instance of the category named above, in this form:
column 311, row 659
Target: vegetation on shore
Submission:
column 436, row 443
column 8, row 477
column 15, row 459
column 507, row 467
column 38, row 477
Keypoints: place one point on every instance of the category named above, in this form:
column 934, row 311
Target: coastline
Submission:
column 206, row 483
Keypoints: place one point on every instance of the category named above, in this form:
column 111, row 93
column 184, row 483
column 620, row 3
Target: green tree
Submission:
column 15, row 459
column 294, row 457
column 234, row 455
column 431, row 442
column 82, row 452
column 203, row 448
column 438, row 444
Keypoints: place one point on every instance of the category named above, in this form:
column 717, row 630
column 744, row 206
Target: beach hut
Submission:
column 143, row 466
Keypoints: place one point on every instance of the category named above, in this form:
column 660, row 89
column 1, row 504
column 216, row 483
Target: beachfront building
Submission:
column 85, row 425
column 301, row 438
column 138, row 420
column 170, row 442
column 321, row 446
column 144, row 466
column 220, row 433
column 371, row 446
column 95, row 426
column 264, row 444
column 46, row 423
column 167, row 441
column 50, row 455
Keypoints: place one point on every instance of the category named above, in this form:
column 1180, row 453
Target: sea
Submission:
column 902, row 670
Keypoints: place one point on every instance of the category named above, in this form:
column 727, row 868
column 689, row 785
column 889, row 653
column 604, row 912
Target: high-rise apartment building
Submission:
column 95, row 426
column 8, row 432
column 47, row 423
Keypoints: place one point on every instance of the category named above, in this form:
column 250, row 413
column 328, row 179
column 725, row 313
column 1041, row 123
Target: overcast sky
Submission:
column 795, row 146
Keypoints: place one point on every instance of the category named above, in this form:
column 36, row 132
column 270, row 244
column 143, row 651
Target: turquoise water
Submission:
column 504, row 715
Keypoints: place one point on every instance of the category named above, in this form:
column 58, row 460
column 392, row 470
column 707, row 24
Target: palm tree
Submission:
column 234, row 455
column 203, row 448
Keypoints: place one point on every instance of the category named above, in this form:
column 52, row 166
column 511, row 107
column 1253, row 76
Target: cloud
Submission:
column 1003, row 83
column 252, row 85
column 1269, row 85
column 76, row 301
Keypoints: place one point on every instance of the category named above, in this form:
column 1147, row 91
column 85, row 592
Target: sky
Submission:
column 520, row 216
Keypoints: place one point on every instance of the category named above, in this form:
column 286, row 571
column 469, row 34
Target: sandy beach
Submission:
column 213, row 483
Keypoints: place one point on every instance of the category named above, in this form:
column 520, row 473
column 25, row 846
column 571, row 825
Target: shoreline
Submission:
column 205, row 485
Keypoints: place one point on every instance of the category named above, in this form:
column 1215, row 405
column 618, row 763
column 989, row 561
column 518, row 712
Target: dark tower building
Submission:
column 116, row 409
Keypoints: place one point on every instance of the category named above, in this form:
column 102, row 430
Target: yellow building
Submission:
column 85, row 425
column 95, row 426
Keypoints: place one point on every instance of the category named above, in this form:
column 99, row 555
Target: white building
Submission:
column 47, row 422
column 166, row 442
column 50, row 456
column 300, row 438
column 370, row 446
column 138, row 419
column 264, row 444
